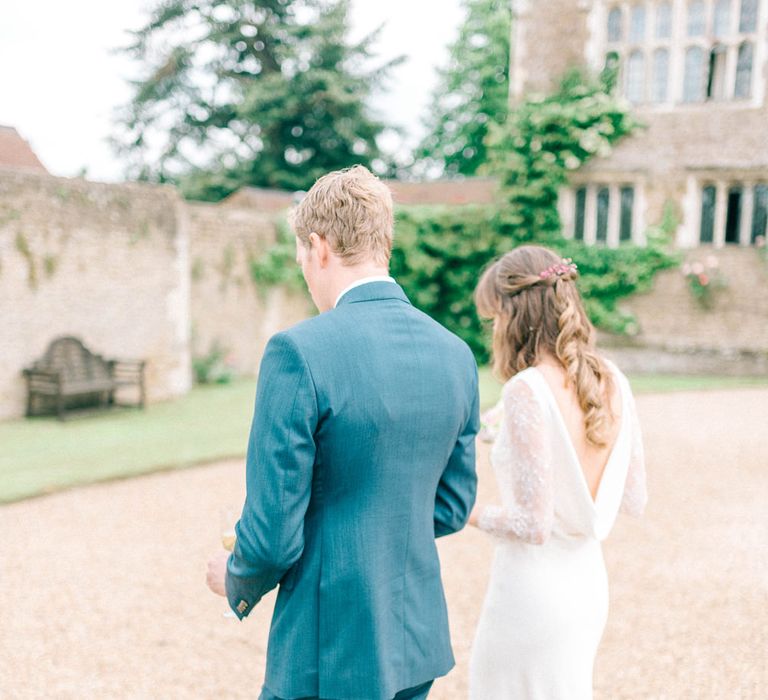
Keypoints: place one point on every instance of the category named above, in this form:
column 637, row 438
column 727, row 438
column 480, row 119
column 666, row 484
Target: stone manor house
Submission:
column 696, row 73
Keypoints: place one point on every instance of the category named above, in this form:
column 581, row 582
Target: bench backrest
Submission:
column 73, row 360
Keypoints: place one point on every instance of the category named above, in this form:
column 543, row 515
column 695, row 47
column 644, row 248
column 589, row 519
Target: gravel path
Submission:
column 102, row 592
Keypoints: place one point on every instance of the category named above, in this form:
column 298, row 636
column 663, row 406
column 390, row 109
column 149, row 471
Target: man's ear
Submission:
column 321, row 248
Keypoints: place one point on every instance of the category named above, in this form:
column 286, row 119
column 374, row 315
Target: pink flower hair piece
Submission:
column 564, row 267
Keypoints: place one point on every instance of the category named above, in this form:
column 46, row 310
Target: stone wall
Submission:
column 738, row 319
column 135, row 272
column 106, row 263
column 548, row 39
column 678, row 335
column 229, row 311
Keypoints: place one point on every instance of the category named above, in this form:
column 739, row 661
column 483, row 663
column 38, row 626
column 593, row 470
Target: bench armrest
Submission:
column 126, row 369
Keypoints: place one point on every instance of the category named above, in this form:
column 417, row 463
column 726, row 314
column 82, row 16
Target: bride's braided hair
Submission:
column 531, row 295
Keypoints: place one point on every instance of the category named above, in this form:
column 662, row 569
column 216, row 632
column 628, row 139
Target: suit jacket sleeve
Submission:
column 279, row 465
column 458, row 485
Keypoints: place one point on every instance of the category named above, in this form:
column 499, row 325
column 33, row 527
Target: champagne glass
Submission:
column 228, row 538
column 227, row 520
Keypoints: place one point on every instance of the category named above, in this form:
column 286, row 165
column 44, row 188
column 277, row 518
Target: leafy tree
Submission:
column 472, row 92
column 249, row 92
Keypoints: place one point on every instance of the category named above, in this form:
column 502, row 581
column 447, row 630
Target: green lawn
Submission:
column 42, row 454
column 210, row 423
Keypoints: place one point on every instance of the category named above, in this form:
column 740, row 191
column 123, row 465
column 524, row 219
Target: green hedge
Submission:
column 440, row 253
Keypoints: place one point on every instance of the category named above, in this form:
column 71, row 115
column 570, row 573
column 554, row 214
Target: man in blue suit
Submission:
column 361, row 453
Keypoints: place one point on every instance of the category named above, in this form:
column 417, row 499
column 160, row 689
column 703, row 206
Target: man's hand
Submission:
column 217, row 573
column 474, row 516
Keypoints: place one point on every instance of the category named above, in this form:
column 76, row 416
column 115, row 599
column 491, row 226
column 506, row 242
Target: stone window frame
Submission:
column 678, row 44
column 753, row 191
column 591, row 191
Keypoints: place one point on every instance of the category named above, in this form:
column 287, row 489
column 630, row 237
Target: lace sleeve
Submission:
column 490, row 421
column 635, row 489
column 523, row 469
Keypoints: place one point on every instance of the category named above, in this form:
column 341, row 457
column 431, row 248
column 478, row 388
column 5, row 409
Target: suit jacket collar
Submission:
column 373, row 291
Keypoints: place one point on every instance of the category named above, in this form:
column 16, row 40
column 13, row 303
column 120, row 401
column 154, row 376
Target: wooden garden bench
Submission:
column 68, row 371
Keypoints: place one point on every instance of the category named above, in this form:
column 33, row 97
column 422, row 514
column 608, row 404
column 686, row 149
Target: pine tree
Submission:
column 472, row 93
column 249, row 92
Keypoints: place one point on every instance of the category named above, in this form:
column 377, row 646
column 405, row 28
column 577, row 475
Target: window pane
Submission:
column 733, row 217
column 748, row 19
column 722, row 17
column 664, row 21
column 603, row 197
column 627, row 202
column 716, row 73
column 635, row 76
column 760, row 213
column 707, row 215
column 693, row 86
column 660, row 75
column 637, row 24
column 697, row 18
column 614, row 24
column 743, row 87
column 581, row 207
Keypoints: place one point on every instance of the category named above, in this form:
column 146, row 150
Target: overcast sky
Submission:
column 60, row 80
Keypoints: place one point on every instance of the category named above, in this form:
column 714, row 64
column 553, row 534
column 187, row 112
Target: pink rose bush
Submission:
column 704, row 279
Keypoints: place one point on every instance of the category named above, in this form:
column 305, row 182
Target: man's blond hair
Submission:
column 352, row 210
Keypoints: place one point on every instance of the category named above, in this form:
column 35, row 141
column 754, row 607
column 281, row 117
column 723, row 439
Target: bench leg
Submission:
column 60, row 406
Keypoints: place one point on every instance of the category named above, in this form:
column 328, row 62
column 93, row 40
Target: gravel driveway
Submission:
column 102, row 588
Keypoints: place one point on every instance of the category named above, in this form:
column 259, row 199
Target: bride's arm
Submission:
column 525, row 477
column 635, row 489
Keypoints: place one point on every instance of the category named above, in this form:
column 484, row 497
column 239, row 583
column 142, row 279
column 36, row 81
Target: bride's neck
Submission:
column 547, row 359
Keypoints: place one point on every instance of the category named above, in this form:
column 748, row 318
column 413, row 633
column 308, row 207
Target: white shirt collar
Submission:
column 364, row 280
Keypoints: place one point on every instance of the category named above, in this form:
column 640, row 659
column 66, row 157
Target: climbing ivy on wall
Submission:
column 543, row 140
column 440, row 252
column 277, row 265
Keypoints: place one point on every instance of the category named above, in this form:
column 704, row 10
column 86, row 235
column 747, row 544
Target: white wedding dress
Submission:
column 547, row 599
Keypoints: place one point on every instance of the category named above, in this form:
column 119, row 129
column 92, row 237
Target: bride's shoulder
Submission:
column 522, row 386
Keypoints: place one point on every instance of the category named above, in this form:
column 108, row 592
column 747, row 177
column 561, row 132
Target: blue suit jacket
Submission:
column 362, row 451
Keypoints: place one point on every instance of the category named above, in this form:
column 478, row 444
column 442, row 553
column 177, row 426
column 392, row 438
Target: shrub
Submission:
column 213, row 368
column 440, row 253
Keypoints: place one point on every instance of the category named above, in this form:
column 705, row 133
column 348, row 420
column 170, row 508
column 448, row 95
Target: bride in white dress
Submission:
column 567, row 457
